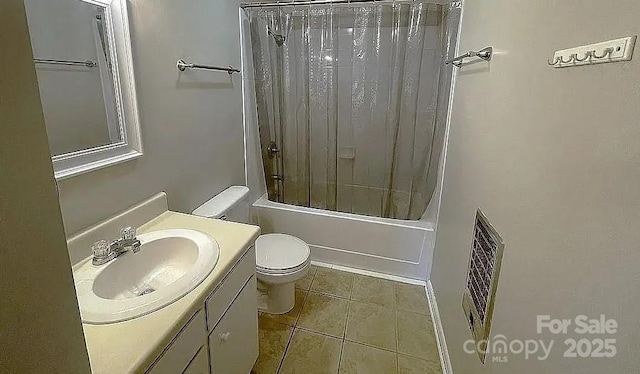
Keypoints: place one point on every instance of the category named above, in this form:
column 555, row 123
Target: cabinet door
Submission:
column 233, row 343
column 177, row 355
column 199, row 364
column 224, row 294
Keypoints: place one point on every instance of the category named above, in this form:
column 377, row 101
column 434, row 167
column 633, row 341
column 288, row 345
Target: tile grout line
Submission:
column 286, row 348
column 374, row 274
column 394, row 306
column 344, row 331
column 395, row 313
column 369, row 345
column 306, row 329
column 340, row 356
column 368, row 303
column 310, row 281
column 304, row 300
column 395, row 321
column 395, row 283
column 293, row 328
column 343, row 340
column 346, row 324
column 329, row 295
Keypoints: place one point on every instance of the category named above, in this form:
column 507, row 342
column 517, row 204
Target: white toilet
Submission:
column 281, row 259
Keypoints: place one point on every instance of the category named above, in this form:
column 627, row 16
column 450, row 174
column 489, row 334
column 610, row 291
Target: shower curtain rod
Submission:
column 325, row 2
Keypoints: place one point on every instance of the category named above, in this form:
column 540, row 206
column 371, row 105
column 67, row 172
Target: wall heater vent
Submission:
column 482, row 279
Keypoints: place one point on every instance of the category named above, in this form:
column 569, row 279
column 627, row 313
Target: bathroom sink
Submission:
column 169, row 265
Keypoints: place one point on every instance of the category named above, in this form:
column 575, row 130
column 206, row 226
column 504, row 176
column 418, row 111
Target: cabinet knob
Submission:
column 224, row 336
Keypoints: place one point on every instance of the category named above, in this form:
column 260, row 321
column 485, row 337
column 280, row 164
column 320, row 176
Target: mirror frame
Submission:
column 130, row 147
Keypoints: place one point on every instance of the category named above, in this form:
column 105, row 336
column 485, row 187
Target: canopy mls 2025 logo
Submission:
column 581, row 337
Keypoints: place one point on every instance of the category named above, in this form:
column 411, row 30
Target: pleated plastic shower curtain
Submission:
column 349, row 101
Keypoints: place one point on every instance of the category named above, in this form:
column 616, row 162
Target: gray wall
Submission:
column 40, row 326
column 191, row 122
column 551, row 156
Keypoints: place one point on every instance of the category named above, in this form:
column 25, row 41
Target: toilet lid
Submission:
column 280, row 252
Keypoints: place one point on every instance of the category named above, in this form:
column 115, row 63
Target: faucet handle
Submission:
column 128, row 233
column 102, row 252
column 101, row 249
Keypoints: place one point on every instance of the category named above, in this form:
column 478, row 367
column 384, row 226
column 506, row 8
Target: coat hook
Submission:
column 606, row 52
column 587, row 56
column 566, row 62
column 555, row 62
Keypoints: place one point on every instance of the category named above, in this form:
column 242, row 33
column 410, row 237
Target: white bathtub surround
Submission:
column 401, row 248
column 253, row 166
column 354, row 162
column 353, row 138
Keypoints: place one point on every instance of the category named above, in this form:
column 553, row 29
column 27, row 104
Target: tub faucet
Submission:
column 104, row 252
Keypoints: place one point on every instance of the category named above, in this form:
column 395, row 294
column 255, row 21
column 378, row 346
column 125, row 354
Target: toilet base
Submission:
column 276, row 298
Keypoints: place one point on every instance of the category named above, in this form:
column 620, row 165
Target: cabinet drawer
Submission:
column 181, row 350
column 233, row 344
column 200, row 363
column 222, row 297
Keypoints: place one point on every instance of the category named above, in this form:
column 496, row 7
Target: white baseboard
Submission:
column 375, row 274
column 437, row 323
column 357, row 260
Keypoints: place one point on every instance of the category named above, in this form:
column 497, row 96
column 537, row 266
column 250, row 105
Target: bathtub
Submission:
column 390, row 246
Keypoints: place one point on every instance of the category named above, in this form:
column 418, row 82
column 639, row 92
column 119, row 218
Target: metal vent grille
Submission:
column 482, row 278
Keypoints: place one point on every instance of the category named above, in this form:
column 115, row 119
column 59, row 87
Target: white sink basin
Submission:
column 169, row 265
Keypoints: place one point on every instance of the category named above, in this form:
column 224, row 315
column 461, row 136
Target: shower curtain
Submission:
column 349, row 103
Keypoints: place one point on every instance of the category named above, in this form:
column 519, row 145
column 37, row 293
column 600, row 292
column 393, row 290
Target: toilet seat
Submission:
column 281, row 254
column 267, row 271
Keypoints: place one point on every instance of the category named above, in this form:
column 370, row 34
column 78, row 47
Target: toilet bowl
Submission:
column 281, row 259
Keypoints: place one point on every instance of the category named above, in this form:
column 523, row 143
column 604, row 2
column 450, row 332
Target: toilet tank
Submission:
column 229, row 204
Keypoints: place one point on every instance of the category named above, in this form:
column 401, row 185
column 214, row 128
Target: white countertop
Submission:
column 131, row 346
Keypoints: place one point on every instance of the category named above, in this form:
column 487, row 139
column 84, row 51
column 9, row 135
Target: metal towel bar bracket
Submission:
column 483, row 54
column 182, row 65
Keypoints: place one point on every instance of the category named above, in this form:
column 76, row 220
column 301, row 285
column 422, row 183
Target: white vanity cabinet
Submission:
column 200, row 363
column 232, row 344
column 178, row 354
column 221, row 337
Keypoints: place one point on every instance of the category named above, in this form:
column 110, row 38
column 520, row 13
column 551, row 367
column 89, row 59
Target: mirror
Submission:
column 82, row 55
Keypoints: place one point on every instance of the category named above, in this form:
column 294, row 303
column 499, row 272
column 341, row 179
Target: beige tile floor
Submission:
column 349, row 323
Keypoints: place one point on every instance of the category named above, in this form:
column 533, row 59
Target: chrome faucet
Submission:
column 104, row 252
column 127, row 241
